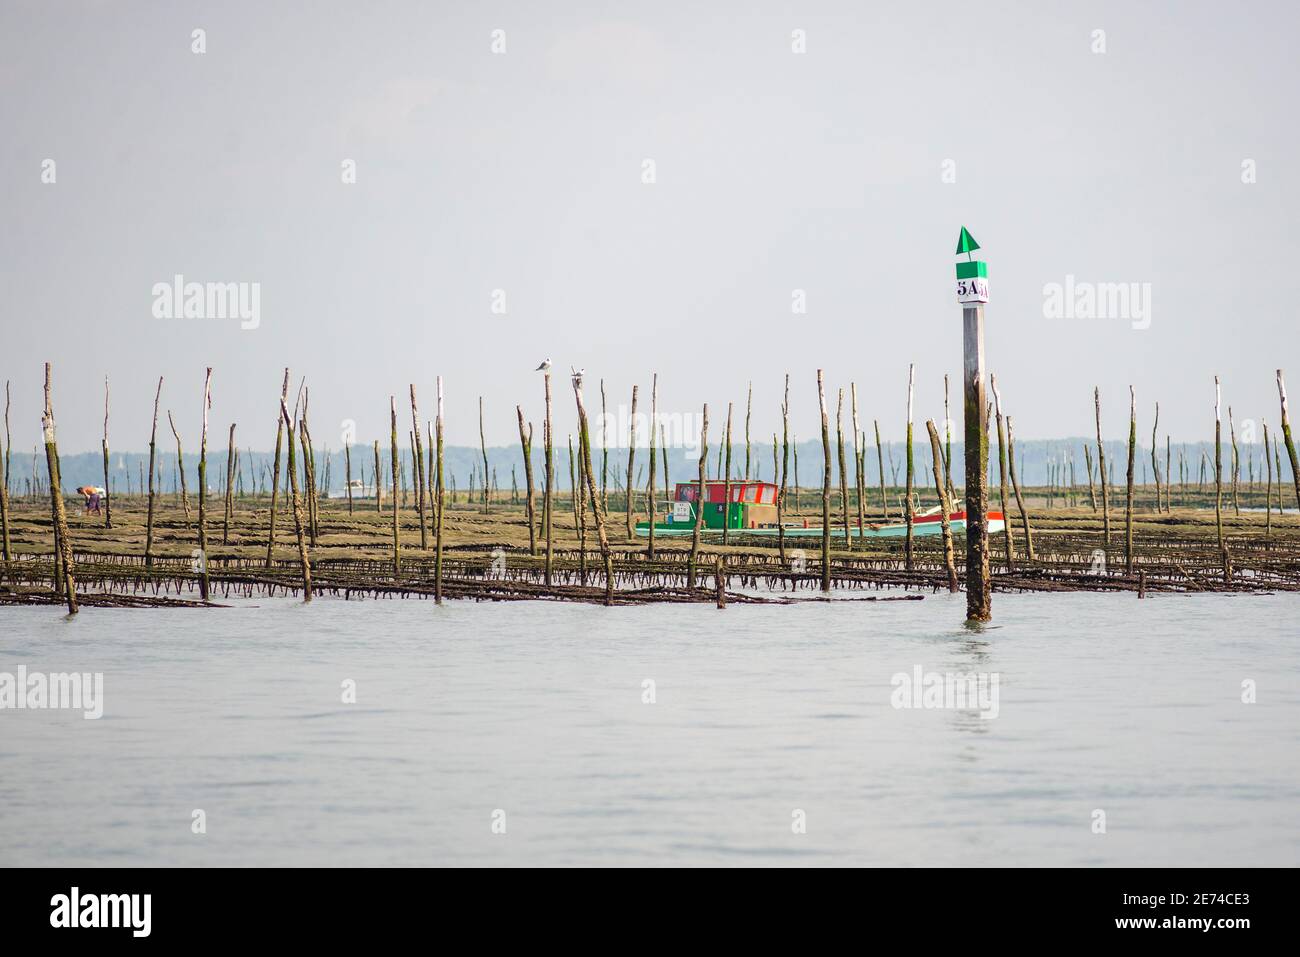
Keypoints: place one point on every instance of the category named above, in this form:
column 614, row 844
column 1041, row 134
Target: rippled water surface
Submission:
column 536, row 710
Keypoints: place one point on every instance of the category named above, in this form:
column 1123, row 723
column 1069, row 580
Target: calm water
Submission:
column 1105, row 702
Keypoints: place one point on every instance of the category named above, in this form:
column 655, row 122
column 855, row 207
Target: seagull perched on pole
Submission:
column 577, row 374
column 544, row 367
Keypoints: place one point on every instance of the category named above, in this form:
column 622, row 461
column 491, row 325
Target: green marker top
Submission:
column 966, row 242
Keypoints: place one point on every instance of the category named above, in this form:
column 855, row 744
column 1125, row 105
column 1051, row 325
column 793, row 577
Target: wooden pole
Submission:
column 1155, row 464
column 4, row 493
column 880, row 462
column 945, row 507
column 1101, row 467
column 720, row 580
column 699, row 500
column 726, row 481
column 203, row 488
column 844, row 473
column 654, row 419
column 584, row 439
column 749, row 410
column 979, row 599
column 1009, row 541
column 826, row 484
column 397, row 543
column 108, row 502
column 309, row 469
column 631, row 458
column 230, row 487
column 437, row 561
column 63, row 543
column 526, row 443
column 482, row 441
column 857, row 459
column 418, row 452
column 4, row 501
column 1287, row 440
column 180, row 465
column 378, row 492
column 1236, row 463
column 308, row 475
column 153, row 440
column 1218, row 481
column 1268, row 488
column 1128, row 501
column 548, row 493
column 347, row 471
column 275, row 474
column 295, row 502
column 1087, row 465
column 604, row 451
column 908, row 510
column 785, row 469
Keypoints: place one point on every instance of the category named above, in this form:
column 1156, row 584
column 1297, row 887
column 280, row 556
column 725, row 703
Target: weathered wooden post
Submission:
column 826, row 484
column 945, row 507
column 654, row 418
column 1002, row 473
column 203, row 488
column 785, row 469
column 4, row 492
column 229, row 504
column 526, row 444
column 749, row 411
column 62, row 557
column 153, row 440
column 275, row 474
column 1101, row 467
column 548, row 491
column 880, row 464
column 418, row 453
column 180, row 465
column 858, row 453
column 1218, row 481
column 907, row 498
column 108, row 503
column 379, row 506
column 726, row 479
column 482, row 442
column 438, row 506
column 844, row 475
column 1155, row 462
column 397, row 543
column 1128, row 501
column 347, row 471
column 1268, row 488
column 699, row 500
column 973, row 293
column 1287, row 440
column 584, row 443
column 631, row 461
column 295, row 503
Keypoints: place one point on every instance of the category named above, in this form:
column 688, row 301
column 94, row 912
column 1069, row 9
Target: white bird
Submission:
column 544, row 367
column 577, row 373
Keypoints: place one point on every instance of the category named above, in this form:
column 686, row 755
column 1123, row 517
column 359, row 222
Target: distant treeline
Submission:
column 1059, row 462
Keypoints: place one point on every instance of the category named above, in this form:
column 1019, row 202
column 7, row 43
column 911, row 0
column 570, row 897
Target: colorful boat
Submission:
column 749, row 508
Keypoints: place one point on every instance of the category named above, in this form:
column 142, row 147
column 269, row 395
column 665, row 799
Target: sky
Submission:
column 636, row 188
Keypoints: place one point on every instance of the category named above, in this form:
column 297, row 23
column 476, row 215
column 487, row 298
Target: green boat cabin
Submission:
column 751, row 505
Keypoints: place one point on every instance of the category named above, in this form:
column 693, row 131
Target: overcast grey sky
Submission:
column 522, row 171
